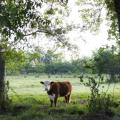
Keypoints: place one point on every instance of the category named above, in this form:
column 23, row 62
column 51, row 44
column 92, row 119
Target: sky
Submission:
column 86, row 42
column 91, row 41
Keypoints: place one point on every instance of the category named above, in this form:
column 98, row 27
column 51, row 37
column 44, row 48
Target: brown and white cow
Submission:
column 58, row 89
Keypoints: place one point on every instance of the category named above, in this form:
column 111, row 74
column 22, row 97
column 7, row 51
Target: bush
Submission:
column 97, row 101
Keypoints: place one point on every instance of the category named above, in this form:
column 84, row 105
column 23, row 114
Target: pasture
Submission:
column 30, row 101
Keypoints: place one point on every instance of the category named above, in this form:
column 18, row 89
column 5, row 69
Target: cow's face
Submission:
column 46, row 85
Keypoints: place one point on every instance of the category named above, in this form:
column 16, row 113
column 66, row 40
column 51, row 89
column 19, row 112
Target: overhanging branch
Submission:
column 39, row 31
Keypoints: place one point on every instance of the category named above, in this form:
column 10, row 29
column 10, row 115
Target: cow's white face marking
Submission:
column 46, row 85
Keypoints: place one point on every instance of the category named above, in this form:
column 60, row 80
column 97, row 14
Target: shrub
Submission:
column 98, row 101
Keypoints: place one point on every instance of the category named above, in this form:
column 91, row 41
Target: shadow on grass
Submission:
column 38, row 108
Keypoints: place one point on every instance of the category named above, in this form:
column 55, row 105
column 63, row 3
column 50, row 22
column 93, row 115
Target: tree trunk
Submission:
column 117, row 9
column 2, row 82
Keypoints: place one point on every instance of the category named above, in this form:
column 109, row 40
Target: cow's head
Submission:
column 47, row 84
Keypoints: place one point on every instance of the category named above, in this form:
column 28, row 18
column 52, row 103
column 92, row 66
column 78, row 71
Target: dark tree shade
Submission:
column 117, row 9
column 2, row 82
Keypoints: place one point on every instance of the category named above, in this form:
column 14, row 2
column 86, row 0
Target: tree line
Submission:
column 105, row 60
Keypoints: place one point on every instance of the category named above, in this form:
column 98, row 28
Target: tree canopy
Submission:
column 20, row 19
column 92, row 14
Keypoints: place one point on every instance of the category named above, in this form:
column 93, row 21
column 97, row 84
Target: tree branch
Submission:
column 39, row 31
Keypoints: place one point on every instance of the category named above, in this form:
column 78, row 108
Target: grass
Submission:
column 30, row 85
column 38, row 108
column 30, row 101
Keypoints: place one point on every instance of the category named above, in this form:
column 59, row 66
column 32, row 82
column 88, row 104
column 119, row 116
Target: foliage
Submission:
column 15, row 60
column 98, row 101
column 43, row 62
column 59, row 68
column 79, row 66
column 16, row 15
column 94, row 12
column 91, row 14
column 104, row 61
column 113, row 16
column 107, row 61
column 21, row 20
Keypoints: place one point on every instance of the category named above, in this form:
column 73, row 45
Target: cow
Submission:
column 58, row 89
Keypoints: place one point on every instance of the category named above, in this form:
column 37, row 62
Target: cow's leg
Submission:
column 55, row 100
column 51, row 102
column 68, row 98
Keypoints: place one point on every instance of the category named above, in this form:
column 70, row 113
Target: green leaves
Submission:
column 22, row 18
column 93, row 12
column 51, row 11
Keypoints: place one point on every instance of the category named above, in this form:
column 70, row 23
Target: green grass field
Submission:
column 30, row 85
column 30, row 101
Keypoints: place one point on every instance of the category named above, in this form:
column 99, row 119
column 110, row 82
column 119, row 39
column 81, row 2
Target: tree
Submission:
column 79, row 66
column 15, row 60
column 117, row 9
column 22, row 18
column 2, row 82
column 107, row 62
column 91, row 12
column 114, row 10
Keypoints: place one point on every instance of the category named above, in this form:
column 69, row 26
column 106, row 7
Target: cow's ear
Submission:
column 41, row 82
column 51, row 82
